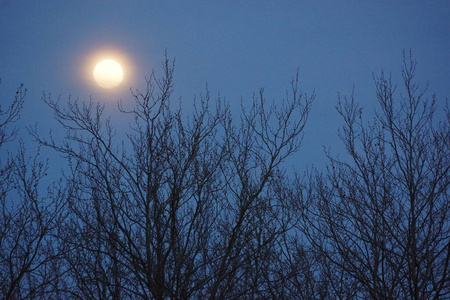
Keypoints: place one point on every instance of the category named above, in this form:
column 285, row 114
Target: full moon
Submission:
column 108, row 73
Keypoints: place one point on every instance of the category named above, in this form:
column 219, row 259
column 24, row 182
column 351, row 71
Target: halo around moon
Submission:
column 108, row 73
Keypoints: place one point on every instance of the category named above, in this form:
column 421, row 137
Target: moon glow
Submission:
column 108, row 73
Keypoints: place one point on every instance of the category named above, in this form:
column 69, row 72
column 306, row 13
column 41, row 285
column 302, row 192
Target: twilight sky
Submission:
column 236, row 47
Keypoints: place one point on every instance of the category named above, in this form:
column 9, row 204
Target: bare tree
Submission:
column 9, row 116
column 27, row 219
column 257, row 218
column 381, row 217
column 200, row 206
column 183, row 207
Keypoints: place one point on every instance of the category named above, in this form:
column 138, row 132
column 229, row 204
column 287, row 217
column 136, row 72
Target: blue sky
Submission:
column 236, row 47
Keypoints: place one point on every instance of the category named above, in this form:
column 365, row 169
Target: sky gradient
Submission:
column 234, row 47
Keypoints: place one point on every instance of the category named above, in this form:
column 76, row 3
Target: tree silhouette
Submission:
column 380, row 219
column 27, row 219
column 184, row 207
column 200, row 206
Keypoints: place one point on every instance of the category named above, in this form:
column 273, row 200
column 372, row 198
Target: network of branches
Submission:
column 200, row 205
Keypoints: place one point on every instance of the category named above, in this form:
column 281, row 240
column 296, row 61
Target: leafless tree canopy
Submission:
column 28, row 215
column 381, row 218
column 200, row 206
column 184, row 207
